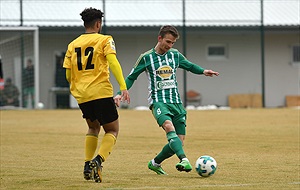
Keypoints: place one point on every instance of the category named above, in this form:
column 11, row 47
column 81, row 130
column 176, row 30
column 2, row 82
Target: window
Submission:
column 217, row 52
column 296, row 55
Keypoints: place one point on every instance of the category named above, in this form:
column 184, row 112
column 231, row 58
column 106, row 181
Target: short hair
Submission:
column 168, row 29
column 90, row 16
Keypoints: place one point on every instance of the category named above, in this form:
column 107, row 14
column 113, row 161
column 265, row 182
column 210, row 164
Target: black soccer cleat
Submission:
column 95, row 164
column 87, row 171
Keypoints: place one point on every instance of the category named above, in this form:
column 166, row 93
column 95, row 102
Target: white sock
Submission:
column 186, row 159
column 155, row 164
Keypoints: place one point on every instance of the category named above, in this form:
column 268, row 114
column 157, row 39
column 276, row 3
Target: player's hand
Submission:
column 123, row 97
column 117, row 100
column 210, row 73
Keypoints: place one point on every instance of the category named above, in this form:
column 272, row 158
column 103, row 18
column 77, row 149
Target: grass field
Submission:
column 254, row 148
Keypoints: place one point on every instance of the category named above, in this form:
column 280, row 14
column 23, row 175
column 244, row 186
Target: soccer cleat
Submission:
column 87, row 171
column 184, row 165
column 96, row 170
column 156, row 169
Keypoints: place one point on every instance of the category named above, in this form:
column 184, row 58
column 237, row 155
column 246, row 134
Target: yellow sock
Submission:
column 91, row 143
column 106, row 146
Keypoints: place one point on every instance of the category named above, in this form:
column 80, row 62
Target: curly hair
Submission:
column 90, row 16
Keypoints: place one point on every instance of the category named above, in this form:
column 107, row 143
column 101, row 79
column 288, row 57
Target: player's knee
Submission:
column 93, row 130
column 112, row 128
column 114, row 132
column 168, row 126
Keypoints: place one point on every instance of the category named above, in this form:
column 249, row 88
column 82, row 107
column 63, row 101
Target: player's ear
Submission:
column 98, row 24
column 159, row 38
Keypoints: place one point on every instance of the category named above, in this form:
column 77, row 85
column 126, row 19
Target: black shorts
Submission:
column 104, row 110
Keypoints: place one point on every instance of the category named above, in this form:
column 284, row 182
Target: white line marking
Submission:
column 198, row 186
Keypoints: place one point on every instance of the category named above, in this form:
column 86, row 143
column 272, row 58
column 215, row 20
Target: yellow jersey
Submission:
column 86, row 59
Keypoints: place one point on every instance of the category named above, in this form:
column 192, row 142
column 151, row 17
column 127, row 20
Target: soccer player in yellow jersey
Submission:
column 87, row 64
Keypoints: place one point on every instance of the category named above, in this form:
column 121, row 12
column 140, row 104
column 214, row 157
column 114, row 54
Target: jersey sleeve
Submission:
column 68, row 75
column 109, row 46
column 116, row 69
column 189, row 66
column 67, row 59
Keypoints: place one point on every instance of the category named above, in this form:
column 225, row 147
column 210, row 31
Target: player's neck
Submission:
column 158, row 50
column 91, row 31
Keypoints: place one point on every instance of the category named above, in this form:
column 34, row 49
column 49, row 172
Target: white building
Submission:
column 221, row 35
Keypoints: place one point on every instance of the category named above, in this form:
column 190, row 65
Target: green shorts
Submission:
column 173, row 112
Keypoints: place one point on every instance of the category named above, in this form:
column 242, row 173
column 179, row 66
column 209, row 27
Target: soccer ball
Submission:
column 206, row 166
column 40, row 105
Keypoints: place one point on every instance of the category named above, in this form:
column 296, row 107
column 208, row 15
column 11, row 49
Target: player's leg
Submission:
column 107, row 143
column 161, row 113
column 179, row 122
column 169, row 112
column 155, row 164
column 175, row 142
column 158, row 110
column 91, row 143
column 109, row 139
column 32, row 96
column 91, row 138
column 108, row 118
column 164, row 114
column 25, row 97
column 164, row 154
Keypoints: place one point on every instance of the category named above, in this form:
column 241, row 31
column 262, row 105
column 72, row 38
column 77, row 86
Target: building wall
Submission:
column 282, row 78
column 239, row 73
column 244, row 56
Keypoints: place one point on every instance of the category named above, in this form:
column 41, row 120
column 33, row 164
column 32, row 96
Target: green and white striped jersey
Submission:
column 161, row 74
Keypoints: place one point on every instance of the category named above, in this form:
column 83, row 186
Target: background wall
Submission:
column 240, row 72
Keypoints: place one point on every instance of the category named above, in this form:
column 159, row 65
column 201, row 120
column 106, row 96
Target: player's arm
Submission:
column 116, row 69
column 67, row 63
column 194, row 68
column 138, row 68
column 189, row 66
column 68, row 75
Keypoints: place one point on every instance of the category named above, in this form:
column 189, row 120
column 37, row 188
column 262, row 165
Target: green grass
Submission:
column 254, row 149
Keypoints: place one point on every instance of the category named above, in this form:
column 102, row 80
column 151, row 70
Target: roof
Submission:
column 126, row 13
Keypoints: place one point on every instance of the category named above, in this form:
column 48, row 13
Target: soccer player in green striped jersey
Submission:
column 160, row 64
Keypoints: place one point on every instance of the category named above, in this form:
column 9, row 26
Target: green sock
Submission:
column 175, row 144
column 165, row 153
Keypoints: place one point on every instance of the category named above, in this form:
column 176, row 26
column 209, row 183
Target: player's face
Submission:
column 166, row 42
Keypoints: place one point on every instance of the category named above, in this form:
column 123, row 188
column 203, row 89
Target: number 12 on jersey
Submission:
column 89, row 51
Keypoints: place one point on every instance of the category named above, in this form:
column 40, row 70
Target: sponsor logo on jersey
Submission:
column 164, row 72
column 165, row 84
